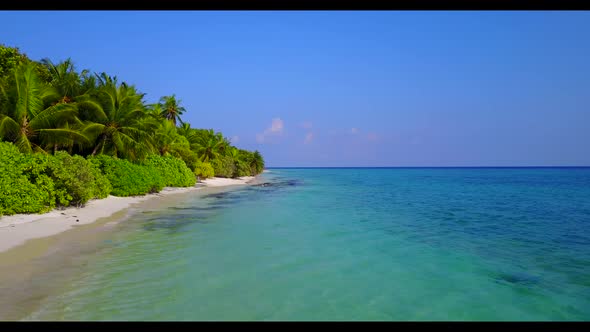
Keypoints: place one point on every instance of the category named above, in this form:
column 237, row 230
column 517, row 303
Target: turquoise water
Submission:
column 351, row 244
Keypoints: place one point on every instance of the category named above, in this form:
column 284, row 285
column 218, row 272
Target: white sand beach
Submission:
column 15, row 230
column 220, row 182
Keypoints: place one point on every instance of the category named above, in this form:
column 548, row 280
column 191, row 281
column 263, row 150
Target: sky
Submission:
column 348, row 88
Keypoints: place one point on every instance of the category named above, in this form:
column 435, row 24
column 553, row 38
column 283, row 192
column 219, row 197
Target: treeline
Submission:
column 76, row 135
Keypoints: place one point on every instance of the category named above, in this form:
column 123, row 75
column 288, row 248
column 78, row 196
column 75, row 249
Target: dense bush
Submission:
column 76, row 180
column 242, row 169
column 32, row 183
column 189, row 157
column 173, row 171
column 224, row 166
column 127, row 178
column 153, row 174
column 204, row 170
column 24, row 186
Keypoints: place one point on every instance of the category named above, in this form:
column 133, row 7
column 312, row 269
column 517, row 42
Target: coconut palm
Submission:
column 209, row 147
column 72, row 88
column 171, row 108
column 120, row 123
column 167, row 140
column 257, row 162
column 64, row 79
column 28, row 123
column 155, row 111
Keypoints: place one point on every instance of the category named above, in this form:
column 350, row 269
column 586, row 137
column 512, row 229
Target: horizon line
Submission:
column 270, row 167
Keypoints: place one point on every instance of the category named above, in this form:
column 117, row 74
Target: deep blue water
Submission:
column 352, row 244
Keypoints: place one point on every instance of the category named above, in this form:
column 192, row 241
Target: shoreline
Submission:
column 16, row 230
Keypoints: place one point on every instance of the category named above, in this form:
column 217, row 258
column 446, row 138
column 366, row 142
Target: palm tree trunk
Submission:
column 95, row 149
column 97, row 145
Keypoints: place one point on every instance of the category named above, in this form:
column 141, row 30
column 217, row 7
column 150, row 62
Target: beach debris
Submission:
column 77, row 220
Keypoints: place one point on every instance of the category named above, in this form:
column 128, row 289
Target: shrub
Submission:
column 224, row 166
column 173, row 171
column 24, row 187
column 126, row 178
column 76, row 180
column 242, row 169
column 102, row 185
column 204, row 170
column 153, row 174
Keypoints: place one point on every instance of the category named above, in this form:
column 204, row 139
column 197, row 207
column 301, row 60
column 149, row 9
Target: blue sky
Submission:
column 347, row 88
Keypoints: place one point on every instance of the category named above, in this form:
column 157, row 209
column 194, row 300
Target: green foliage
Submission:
column 204, row 170
column 224, row 167
column 242, row 169
column 76, row 179
column 102, row 185
column 190, row 158
column 47, row 108
column 32, row 183
column 127, row 178
column 172, row 170
column 31, row 122
column 24, row 188
column 120, row 125
column 10, row 58
column 171, row 109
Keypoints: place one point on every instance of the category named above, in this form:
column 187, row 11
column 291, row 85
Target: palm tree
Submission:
column 224, row 143
column 120, row 122
column 64, row 79
column 155, row 111
column 171, row 108
column 71, row 88
column 257, row 162
column 186, row 130
column 209, row 147
column 28, row 122
column 166, row 139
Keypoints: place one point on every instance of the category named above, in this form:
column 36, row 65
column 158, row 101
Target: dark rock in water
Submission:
column 265, row 184
column 518, row 278
column 77, row 220
column 217, row 195
column 287, row 183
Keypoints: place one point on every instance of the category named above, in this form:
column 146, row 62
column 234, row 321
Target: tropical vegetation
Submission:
column 68, row 136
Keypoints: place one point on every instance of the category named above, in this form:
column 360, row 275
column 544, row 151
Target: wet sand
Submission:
column 40, row 266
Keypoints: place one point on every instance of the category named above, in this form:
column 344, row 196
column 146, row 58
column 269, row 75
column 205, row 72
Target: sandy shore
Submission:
column 220, row 182
column 15, row 230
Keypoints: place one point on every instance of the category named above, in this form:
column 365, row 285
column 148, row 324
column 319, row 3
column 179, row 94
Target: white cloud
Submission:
column 277, row 125
column 308, row 138
column 276, row 128
column 354, row 130
column 235, row 139
column 307, row 125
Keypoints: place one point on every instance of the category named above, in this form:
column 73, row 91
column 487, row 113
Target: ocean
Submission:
column 452, row 244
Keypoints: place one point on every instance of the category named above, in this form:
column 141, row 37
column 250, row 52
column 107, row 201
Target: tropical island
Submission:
column 69, row 136
column 418, row 166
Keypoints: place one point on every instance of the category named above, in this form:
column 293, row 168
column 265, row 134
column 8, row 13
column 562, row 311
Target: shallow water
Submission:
column 350, row 244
